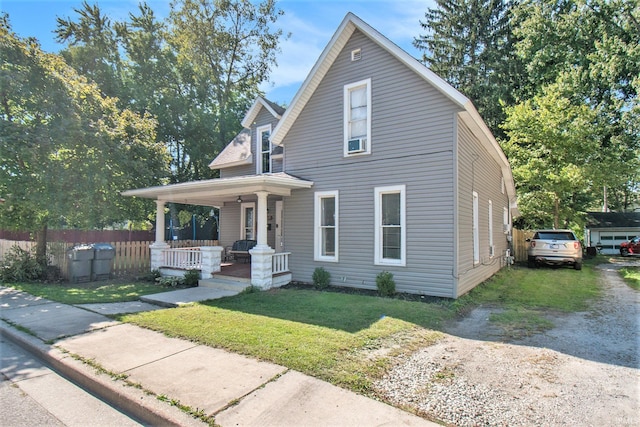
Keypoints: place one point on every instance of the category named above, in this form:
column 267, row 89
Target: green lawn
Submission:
column 319, row 333
column 343, row 338
column 85, row 293
column 546, row 288
column 523, row 296
column 631, row 276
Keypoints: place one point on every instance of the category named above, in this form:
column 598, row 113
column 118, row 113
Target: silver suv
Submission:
column 554, row 247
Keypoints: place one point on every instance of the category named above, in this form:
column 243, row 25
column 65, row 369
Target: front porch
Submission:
column 214, row 270
column 269, row 267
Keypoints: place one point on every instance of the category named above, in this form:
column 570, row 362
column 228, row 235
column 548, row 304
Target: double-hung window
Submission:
column 264, row 149
column 476, row 229
column 326, row 226
column 390, row 225
column 491, row 247
column 357, row 118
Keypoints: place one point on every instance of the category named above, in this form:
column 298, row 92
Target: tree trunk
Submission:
column 556, row 213
column 41, row 245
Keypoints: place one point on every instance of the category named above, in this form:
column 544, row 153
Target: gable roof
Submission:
column 613, row 219
column 351, row 23
column 236, row 153
column 274, row 109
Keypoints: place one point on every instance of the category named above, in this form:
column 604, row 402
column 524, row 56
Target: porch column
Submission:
column 261, row 254
column 158, row 247
column 211, row 259
column 160, row 221
column 262, row 218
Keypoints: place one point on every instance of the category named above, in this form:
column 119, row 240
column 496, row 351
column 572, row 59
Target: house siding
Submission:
column 230, row 221
column 412, row 141
column 478, row 171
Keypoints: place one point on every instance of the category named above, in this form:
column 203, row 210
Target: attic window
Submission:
column 356, row 55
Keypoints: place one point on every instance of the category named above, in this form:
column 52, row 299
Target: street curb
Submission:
column 134, row 402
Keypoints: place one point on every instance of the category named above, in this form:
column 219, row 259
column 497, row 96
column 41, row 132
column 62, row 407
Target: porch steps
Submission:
column 228, row 283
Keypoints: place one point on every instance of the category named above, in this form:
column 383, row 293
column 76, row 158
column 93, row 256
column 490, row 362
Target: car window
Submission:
column 555, row 236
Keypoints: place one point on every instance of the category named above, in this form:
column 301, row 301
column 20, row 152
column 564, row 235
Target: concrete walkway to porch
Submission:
column 187, row 296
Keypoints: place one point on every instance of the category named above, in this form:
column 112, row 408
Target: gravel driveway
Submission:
column 584, row 372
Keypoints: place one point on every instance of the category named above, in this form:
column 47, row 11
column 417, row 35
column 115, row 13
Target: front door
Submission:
column 279, row 226
column 248, row 221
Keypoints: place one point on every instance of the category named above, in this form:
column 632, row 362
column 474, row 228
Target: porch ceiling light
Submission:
column 239, row 199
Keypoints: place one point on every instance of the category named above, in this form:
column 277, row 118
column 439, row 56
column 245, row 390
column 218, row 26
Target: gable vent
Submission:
column 356, row 54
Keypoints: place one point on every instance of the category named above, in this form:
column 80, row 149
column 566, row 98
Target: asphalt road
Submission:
column 34, row 395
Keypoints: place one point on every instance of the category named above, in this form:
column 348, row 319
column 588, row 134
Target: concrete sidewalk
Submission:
column 234, row 389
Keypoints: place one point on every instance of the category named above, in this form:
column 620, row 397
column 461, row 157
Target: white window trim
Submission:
column 317, row 235
column 379, row 260
column 243, row 207
column 259, row 131
column 491, row 248
column 347, row 110
column 476, row 229
column 505, row 220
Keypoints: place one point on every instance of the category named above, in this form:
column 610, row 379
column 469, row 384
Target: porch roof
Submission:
column 215, row 192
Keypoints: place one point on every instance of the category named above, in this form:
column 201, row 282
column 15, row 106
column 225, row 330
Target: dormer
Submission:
column 251, row 151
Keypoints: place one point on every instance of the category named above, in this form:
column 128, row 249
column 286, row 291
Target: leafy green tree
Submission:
column 552, row 148
column 92, row 47
column 225, row 50
column 591, row 48
column 66, row 151
column 469, row 44
column 197, row 72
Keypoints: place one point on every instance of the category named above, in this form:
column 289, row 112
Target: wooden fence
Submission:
column 131, row 258
column 520, row 244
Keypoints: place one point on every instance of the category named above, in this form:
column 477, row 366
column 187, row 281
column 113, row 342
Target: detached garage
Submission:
column 609, row 229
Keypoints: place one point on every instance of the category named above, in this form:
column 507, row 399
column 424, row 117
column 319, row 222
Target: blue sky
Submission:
column 310, row 22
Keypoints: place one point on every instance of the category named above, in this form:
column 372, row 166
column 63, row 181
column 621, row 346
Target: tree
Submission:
column 197, row 72
column 469, row 44
column 591, row 48
column 93, row 47
column 225, row 50
column 66, row 151
column 552, row 148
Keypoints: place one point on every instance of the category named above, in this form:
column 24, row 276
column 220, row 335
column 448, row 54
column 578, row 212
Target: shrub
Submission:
column 170, row 281
column 20, row 266
column 321, row 278
column 191, row 278
column 385, row 284
column 250, row 290
column 153, row 275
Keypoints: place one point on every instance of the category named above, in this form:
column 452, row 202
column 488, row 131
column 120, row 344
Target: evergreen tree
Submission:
column 468, row 43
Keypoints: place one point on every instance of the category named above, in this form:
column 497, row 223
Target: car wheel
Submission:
column 624, row 251
column 531, row 263
column 577, row 266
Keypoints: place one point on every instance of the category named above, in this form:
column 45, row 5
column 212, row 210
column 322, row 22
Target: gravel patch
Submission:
column 584, row 372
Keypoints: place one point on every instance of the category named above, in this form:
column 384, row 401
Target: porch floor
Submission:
column 241, row 270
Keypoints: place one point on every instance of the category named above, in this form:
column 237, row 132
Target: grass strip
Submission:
column 631, row 276
column 87, row 293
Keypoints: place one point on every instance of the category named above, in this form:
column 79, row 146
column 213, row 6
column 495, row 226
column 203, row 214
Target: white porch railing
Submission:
column 182, row 258
column 280, row 262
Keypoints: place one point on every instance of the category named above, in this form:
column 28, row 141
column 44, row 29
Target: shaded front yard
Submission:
column 87, row 293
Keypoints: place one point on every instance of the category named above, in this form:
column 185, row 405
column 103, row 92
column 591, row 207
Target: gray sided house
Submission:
column 377, row 165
